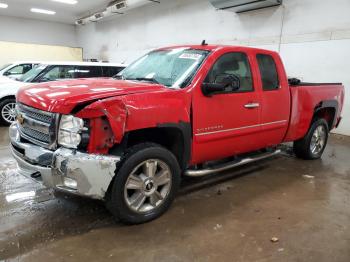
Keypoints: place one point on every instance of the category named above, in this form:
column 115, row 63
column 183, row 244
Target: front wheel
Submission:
column 313, row 144
column 145, row 184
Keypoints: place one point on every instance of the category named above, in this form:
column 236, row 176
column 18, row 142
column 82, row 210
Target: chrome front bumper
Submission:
column 64, row 169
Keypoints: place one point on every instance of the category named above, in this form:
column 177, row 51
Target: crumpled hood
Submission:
column 63, row 96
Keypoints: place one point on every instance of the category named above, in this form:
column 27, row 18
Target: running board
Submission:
column 223, row 167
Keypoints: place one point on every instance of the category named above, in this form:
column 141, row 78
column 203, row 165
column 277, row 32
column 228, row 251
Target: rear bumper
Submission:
column 64, row 169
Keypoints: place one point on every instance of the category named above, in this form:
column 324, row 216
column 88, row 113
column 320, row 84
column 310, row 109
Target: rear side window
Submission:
column 109, row 71
column 88, row 71
column 268, row 72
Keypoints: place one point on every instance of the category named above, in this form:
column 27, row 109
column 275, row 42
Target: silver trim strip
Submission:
column 239, row 128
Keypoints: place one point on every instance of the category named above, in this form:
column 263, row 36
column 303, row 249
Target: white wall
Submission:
column 21, row 30
column 312, row 36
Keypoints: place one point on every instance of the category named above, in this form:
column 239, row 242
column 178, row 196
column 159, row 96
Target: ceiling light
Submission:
column 42, row 11
column 69, row 2
column 3, row 5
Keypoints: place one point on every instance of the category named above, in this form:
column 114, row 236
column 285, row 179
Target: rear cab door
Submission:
column 274, row 96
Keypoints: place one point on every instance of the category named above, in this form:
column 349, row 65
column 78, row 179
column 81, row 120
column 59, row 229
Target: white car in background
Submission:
column 49, row 71
column 17, row 69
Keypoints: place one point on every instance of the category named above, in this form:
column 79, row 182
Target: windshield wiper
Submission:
column 146, row 79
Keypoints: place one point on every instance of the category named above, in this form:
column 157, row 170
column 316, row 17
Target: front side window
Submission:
column 19, row 69
column 26, row 68
column 268, row 72
column 58, row 72
column 232, row 64
column 173, row 68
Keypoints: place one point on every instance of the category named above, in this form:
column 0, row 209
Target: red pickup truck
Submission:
column 184, row 110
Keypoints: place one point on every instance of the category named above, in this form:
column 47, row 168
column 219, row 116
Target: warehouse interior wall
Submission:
column 312, row 36
column 29, row 39
column 22, row 30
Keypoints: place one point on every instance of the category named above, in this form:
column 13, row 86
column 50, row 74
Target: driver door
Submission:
column 226, row 123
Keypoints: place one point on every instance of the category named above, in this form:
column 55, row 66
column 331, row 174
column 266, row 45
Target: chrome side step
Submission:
column 223, row 167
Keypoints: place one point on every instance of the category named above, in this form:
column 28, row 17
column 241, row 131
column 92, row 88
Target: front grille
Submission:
column 39, row 116
column 37, row 126
column 36, row 135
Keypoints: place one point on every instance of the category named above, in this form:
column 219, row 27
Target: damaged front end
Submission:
column 66, row 164
column 64, row 169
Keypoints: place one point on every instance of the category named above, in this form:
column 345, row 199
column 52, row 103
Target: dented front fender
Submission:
column 133, row 112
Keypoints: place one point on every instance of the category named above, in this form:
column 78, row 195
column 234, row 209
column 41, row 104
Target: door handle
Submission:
column 252, row 105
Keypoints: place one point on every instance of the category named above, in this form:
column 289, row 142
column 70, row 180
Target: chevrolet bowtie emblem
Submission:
column 20, row 119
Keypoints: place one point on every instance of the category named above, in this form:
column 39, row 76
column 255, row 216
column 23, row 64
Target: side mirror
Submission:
column 224, row 83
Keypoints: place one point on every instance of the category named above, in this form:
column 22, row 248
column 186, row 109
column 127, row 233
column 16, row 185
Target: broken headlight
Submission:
column 69, row 133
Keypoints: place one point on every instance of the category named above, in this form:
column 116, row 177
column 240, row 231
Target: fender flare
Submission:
column 329, row 104
column 186, row 130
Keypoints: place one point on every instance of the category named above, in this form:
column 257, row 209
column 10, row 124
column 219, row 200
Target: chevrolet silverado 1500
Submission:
column 176, row 111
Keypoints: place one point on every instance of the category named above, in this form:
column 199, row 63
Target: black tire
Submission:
column 132, row 158
column 3, row 103
column 302, row 147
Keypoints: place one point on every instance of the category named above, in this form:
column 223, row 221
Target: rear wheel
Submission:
column 7, row 111
column 313, row 144
column 145, row 184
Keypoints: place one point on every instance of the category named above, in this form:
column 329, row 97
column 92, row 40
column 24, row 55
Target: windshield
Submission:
column 173, row 68
column 4, row 66
column 31, row 74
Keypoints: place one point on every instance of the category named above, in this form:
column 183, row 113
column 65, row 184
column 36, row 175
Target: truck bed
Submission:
column 306, row 98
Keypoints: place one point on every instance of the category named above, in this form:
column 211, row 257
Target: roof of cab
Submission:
column 214, row 47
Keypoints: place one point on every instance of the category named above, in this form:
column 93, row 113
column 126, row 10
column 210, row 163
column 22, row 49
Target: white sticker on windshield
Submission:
column 190, row 56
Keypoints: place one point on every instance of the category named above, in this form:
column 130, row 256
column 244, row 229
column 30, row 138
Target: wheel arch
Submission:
column 176, row 137
column 7, row 97
column 328, row 110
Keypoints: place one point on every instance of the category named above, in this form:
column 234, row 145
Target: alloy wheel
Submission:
column 8, row 112
column 318, row 140
column 147, row 186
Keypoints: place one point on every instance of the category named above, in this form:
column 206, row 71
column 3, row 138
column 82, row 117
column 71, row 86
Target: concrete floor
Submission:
column 227, row 217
